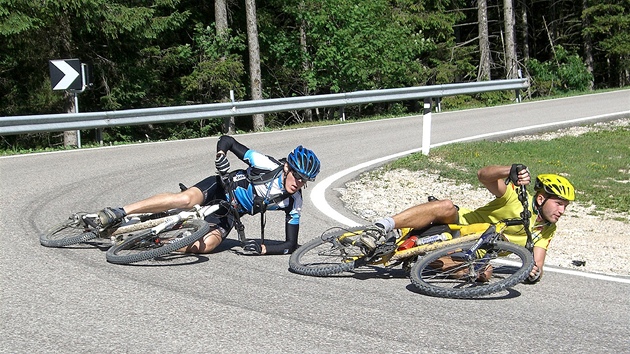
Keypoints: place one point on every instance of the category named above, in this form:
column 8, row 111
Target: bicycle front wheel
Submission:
column 143, row 245
column 72, row 231
column 332, row 253
column 444, row 273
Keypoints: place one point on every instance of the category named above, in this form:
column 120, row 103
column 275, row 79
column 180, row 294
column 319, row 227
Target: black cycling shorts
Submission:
column 212, row 190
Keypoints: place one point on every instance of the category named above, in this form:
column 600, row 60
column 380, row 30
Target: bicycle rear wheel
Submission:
column 332, row 253
column 142, row 245
column 72, row 231
column 443, row 274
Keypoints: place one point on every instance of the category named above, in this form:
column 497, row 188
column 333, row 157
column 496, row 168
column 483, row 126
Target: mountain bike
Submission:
column 158, row 233
column 140, row 237
column 454, row 261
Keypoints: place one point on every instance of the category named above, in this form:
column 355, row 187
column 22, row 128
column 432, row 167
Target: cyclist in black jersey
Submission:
column 281, row 190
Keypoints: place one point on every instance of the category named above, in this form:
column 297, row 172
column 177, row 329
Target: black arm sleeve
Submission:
column 289, row 245
column 227, row 143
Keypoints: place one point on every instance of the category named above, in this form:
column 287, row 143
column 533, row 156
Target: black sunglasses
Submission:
column 299, row 177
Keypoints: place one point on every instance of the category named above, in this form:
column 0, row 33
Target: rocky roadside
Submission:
column 586, row 240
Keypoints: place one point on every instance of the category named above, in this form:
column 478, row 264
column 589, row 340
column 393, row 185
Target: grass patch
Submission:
column 597, row 163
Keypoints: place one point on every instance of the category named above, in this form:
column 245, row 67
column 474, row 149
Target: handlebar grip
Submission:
column 514, row 222
column 514, row 171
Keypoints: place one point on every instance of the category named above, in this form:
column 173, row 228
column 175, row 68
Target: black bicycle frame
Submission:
column 228, row 185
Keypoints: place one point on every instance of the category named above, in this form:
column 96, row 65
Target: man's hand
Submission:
column 222, row 164
column 519, row 175
column 534, row 275
column 252, row 248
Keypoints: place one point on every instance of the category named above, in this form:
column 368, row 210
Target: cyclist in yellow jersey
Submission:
column 553, row 193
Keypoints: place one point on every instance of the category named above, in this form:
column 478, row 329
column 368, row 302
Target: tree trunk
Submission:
column 524, row 30
column 221, row 28
column 511, row 65
column 308, row 114
column 484, row 42
column 588, row 45
column 220, row 16
column 254, row 61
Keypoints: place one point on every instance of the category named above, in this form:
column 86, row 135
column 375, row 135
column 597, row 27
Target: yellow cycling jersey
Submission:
column 509, row 207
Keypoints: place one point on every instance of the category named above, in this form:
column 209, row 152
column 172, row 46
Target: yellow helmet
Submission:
column 555, row 185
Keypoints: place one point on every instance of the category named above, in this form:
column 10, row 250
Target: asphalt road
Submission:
column 72, row 300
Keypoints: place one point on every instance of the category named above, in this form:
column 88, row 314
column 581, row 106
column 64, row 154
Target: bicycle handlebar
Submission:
column 513, row 222
column 525, row 215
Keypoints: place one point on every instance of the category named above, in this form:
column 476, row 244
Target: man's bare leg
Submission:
column 416, row 217
column 166, row 201
column 205, row 244
column 422, row 215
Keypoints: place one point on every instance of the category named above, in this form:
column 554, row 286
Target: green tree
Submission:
column 608, row 26
column 358, row 45
column 446, row 56
column 124, row 44
column 564, row 73
column 127, row 47
column 217, row 68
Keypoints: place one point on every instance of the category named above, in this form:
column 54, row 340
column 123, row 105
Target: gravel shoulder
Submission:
column 598, row 239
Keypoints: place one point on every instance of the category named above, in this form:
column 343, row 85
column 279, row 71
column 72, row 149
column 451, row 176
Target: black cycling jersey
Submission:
column 252, row 197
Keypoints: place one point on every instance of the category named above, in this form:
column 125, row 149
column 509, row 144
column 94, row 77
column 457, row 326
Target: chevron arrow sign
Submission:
column 65, row 74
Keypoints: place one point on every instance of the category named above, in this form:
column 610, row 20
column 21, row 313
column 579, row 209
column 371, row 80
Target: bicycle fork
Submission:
column 467, row 257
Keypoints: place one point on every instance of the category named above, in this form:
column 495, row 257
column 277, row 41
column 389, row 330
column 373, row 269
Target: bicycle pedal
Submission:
column 384, row 248
column 90, row 222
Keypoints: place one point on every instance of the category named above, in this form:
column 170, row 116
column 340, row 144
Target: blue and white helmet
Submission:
column 304, row 162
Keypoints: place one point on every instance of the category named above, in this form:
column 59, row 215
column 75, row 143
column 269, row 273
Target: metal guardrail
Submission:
column 90, row 120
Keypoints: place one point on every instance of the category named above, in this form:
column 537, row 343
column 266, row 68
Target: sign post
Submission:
column 69, row 74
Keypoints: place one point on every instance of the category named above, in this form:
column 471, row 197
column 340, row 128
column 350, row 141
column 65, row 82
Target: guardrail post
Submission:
column 426, row 126
column 517, row 91
column 99, row 136
column 228, row 122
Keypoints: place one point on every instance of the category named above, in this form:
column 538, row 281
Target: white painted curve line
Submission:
column 318, row 194
column 587, row 275
column 574, row 272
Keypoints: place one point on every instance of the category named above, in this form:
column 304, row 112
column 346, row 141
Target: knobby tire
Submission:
column 141, row 245
column 70, row 232
column 323, row 257
column 444, row 283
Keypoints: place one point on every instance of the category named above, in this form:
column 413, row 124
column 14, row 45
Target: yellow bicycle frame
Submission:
column 466, row 233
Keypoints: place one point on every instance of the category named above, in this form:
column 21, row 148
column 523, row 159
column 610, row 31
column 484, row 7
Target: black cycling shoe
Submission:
column 111, row 216
column 252, row 248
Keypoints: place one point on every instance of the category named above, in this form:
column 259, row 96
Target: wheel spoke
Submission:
column 331, row 253
column 143, row 245
column 441, row 274
column 72, row 231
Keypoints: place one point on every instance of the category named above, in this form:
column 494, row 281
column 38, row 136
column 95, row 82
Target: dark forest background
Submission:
column 183, row 52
